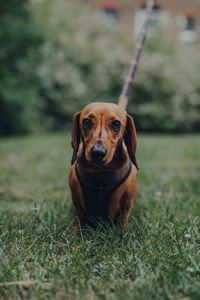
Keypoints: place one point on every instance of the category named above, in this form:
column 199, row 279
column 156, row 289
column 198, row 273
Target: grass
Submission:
column 158, row 257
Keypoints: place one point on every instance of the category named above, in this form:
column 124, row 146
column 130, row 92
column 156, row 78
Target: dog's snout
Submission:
column 98, row 152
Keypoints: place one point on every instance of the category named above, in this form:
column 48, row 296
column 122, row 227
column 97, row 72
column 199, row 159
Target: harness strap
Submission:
column 98, row 187
column 106, row 179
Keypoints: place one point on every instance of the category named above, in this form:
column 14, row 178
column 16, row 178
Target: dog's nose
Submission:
column 98, row 152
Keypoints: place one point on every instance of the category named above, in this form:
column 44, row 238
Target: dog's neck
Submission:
column 105, row 178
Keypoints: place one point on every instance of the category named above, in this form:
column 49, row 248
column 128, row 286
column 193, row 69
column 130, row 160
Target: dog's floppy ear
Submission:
column 130, row 139
column 76, row 136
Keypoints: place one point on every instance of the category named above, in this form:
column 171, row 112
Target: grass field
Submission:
column 158, row 257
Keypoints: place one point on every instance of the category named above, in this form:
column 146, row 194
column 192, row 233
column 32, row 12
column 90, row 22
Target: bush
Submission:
column 19, row 40
column 60, row 56
column 166, row 94
column 83, row 60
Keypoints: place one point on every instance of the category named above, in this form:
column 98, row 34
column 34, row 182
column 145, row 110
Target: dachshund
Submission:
column 102, row 177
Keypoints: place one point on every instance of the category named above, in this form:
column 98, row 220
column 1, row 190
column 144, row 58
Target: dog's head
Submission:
column 103, row 127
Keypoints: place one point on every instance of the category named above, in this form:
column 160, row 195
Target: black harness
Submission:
column 98, row 187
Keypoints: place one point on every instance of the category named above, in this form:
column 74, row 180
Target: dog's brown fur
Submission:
column 120, row 145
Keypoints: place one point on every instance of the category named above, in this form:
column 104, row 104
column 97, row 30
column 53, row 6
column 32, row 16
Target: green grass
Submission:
column 158, row 257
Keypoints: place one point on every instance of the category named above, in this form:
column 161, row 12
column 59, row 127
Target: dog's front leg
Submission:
column 121, row 206
column 77, row 199
column 81, row 216
column 114, row 205
column 125, row 209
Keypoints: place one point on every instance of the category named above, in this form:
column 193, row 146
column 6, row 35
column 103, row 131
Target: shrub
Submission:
column 60, row 56
column 18, row 57
column 83, row 60
column 166, row 94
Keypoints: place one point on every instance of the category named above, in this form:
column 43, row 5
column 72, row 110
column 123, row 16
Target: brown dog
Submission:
column 103, row 173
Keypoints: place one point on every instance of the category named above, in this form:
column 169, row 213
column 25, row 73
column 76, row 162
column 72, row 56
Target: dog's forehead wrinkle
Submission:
column 91, row 115
column 104, row 114
column 100, row 106
column 87, row 114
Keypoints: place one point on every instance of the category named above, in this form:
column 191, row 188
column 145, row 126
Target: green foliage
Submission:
column 166, row 94
column 156, row 258
column 19, row 55
column 82, row 62
column 60, row 55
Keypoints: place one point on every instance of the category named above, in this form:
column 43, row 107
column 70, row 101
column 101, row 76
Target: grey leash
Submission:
column 123, row 99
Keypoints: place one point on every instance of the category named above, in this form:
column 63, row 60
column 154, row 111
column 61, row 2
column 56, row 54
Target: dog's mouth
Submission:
column 98, row 163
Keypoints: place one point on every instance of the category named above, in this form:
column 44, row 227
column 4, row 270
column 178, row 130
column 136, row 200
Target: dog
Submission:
column 102, row 177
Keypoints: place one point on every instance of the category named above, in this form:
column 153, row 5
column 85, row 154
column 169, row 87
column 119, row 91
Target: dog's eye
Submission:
column 116, row 125
column 87, row 123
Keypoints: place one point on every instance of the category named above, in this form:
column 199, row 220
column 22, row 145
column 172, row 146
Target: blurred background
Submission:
column 57, row 56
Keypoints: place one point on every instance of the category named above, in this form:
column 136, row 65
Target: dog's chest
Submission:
column 98, row 187
column 96, row 197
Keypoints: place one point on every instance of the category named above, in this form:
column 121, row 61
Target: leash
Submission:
column 124, row 97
